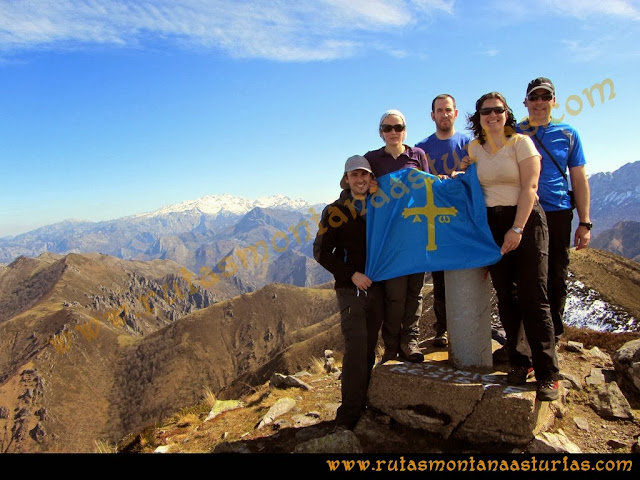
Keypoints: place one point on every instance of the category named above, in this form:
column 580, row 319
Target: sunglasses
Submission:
column 387, row 128
column 488, row 110
column 545, row 96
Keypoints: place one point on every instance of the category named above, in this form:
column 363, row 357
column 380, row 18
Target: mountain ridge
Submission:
column 615, row 196
column 623, row 239
column 89, row 347
column 179, row 230
column 109, row 346
column 229, row 204
column 207, row 232
column 201, row 242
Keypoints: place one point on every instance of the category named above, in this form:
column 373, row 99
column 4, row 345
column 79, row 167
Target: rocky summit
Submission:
column 425, row 408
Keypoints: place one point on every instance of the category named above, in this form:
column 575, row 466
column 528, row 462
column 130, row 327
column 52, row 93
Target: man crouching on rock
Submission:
column 340, row 247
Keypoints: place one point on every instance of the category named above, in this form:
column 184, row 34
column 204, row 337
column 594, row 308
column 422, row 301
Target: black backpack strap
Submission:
column 550, row 156
column 566, row 179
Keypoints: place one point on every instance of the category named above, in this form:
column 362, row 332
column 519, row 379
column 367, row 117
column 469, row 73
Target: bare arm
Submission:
column 580, row 186
column 529, row 174
column 465, row 162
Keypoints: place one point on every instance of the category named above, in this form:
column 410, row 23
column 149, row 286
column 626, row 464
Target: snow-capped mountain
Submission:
column 204, row 231
column 227, row 204
column 615, row 196
column 194, row 233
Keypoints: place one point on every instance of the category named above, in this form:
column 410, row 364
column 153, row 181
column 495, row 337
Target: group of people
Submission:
column 530, row 198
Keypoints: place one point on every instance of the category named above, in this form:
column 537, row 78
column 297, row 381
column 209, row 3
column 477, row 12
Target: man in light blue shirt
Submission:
column 445, row 149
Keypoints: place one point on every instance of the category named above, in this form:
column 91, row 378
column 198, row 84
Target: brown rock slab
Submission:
column 473, row 406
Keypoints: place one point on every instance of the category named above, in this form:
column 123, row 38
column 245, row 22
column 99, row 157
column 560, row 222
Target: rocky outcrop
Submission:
column 548, row 442
column 609, row 402
column 279, row 380
column 339, row 441
column 149, row 304
column 627, row 363
column 422, row 404
column 479, row 407
column 457, row 404
column 221, row 406
column 282, row 406
column 26, row 420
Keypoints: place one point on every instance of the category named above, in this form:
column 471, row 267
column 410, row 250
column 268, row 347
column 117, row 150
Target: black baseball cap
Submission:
column 541, row 82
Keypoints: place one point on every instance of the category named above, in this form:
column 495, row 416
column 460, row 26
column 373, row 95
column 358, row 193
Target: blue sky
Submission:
column 112, row 108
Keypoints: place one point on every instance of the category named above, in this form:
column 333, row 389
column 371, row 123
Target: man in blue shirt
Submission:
column 561, row 149
column 445, row 150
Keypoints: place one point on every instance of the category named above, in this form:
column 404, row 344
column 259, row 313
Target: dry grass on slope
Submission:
column 189, row 431
column 615, row 277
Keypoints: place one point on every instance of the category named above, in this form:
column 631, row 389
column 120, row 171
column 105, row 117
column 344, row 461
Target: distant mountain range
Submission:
column 615, row 196
column 252, row 243
column 623, row 238
column 96, row 348
column 615, row 211
column 220, row 237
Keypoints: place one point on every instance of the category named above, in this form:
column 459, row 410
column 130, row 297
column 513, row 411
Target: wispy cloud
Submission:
column 302, row 30
column 598, row 27
column 274, row 29
column 490, row 52
column 628, row 9
column 581, row 52
column 594, row 10
column 602, row 47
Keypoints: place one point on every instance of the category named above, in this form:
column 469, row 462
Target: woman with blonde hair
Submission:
column 403, row 295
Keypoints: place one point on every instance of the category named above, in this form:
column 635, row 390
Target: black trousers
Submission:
column 402, row 310
column 439, row 302
column 559, row 223
column 520, row 282
column 361, row 314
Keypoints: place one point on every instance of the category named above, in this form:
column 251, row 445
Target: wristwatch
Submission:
column 589, row 225
column 518, row 230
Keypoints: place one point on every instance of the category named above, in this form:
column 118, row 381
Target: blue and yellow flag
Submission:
column 417, row 222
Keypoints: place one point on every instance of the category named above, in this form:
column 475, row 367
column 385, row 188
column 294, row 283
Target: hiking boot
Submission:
column 500, row 356
column 519, row 375
column 388, row 355
column 441, row 340
column 412, row 353
column 547, row 390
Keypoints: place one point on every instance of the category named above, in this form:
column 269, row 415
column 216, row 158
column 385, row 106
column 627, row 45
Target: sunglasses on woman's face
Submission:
column 488, row 110
column 545, row 96
column 387, row 128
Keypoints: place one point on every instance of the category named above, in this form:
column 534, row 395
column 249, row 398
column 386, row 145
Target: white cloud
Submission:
column 602, row 47
column 593, row 10
column 431, row 5
column 582, row 52
column 276, row 29
column 373, row 12
column 490, row 52
column 629, row 9
column 300, row 30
